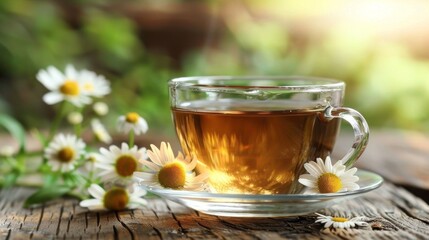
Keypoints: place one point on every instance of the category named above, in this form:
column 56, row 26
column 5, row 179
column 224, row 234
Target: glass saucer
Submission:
column 276, row 205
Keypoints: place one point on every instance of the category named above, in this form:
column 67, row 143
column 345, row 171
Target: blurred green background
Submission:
column 379, row 47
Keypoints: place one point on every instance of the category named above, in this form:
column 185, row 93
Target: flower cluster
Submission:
column 112, row 174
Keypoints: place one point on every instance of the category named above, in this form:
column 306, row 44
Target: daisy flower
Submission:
column 63, row 87
column 116, row 198
column 132, row 122
column 100, row 131
column 325, row 178
column 119, row 164
column 340, row 222
column 170, row 172
column 63, row 151
column 94, row 85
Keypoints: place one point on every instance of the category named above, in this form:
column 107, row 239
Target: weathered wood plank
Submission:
column 393, row 214
column 400, row 156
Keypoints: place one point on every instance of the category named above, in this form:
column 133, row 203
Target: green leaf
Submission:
column 11, row 178
column 49, row 179
column 46, row 194
column 15, row 129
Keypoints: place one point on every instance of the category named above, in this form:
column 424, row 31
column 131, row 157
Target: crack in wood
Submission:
column 98, row 219
column 70, row 219
column 156, row 214
column 115, row 233
column 86, row 222
column 59, row 219
column 9, row 233
column 41, row 217
column 181, row 229
column 125, row 225
column 158, row 233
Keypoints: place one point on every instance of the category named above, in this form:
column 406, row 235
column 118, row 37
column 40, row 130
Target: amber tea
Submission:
column 253, row 149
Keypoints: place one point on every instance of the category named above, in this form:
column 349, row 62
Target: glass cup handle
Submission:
column 360, row 129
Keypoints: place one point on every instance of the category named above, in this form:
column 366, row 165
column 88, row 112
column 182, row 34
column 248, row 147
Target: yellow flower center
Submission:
column 172, row 175
column 126, row 165
column 91, row 159
column 70, row 88
column 329, row 183
column 116, row 199
column 88, row 87
column 65, row 155
column 339, row 219
column 132, row 117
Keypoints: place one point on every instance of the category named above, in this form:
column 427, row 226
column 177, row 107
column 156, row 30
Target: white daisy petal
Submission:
column 327, row 224
column 312, row 169
column 145, row 176
column 139, row 201
column 139, row 192
column 321, row 165
column 96, row 191
column 55, row 74
column 152, row 156
column 307, row 183
column 71, row 72
column 351, row 171
column 309, row 177
column 97, row 208
column 90, row 202
column 52, row 98
column 328, row 165
column 47, row 81
column 352, row 187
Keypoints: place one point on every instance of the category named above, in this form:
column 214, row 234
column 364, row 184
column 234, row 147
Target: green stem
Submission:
column 21, row 163
column 131, row 139
column 57, row 121
column 78, row 129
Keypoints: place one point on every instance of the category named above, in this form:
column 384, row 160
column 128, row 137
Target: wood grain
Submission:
column 393, row 213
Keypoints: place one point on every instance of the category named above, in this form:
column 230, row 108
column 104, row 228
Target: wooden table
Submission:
column 393, row 212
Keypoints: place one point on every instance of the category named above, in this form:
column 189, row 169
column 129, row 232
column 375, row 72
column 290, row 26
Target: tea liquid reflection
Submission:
column 251, row 148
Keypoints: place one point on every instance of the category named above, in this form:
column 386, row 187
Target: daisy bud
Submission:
column 100, row 131
column 75, row 118
column 100, row 108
